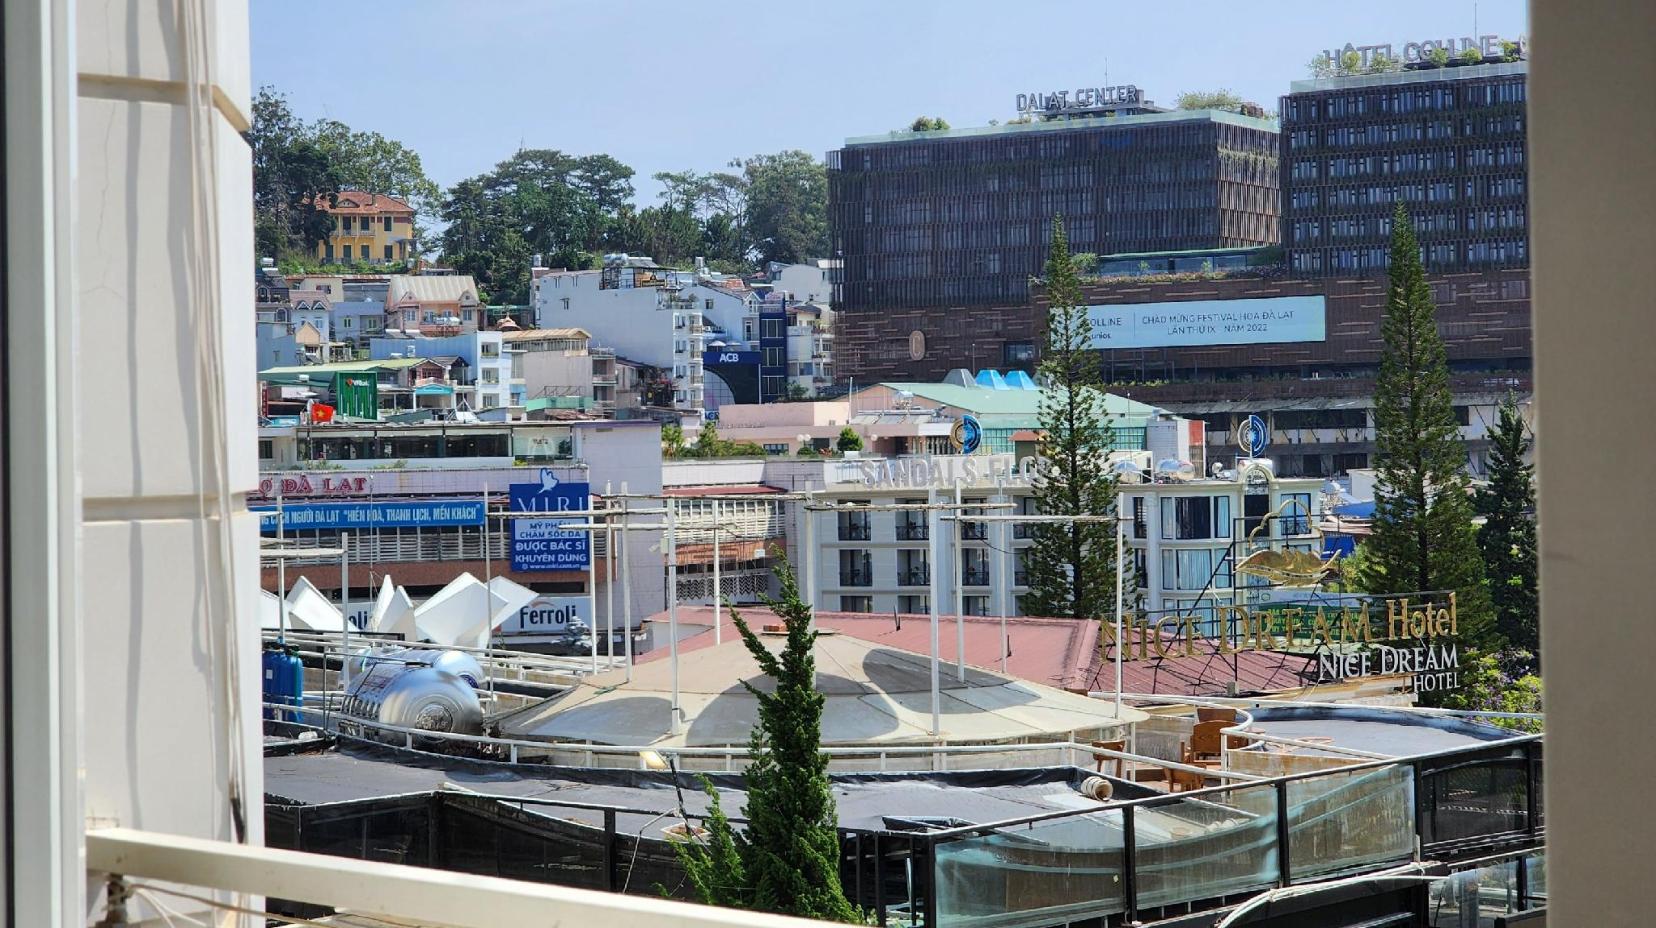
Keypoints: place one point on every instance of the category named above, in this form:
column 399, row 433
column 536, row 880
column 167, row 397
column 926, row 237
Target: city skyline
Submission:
column 759, row 80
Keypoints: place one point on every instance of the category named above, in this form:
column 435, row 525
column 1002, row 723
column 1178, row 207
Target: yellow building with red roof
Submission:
column 372, row 228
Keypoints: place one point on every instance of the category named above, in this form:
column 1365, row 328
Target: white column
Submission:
column 344, row 610
column 958, row 572
column 934, row 594
column 626, row 583
column 672, row 609
column 718, row 589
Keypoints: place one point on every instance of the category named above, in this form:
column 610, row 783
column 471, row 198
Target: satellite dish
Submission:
column 1175, row 469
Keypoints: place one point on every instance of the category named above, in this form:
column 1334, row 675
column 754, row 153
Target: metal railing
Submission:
column 197, row 874
column 862, row 577
column 913, row 576
column 913, row 531
column 854, row 530
column 975, row 576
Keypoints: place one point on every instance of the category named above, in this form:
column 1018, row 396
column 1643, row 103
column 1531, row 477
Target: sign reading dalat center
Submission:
column 1186, row 323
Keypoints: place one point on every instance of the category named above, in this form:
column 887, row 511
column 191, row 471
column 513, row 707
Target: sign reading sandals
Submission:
column 1184, row 323
column 929, row 471
column 1352, row 642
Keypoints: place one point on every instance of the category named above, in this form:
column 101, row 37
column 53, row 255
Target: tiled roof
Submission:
column 362, row 203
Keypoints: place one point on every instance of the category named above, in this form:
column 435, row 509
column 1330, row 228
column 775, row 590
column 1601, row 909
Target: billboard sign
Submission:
column 1187, row 323
column 543, row 544
column 550, row 615
column 358, row 516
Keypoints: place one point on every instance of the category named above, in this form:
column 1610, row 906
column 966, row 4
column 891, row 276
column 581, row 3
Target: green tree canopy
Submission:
column 292, row 175
column 1221, row 99
column 1423, row 538
column 539, row 201
column 849, row 440
column 928, row 123
column 1071, row 564
column 786, row 859
column 1507, row 536
column 787, row 207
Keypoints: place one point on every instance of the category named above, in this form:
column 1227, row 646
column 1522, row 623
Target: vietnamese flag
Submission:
column 321, row 412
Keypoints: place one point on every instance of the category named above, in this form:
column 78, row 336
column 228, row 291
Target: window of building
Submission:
column 1195, row 569
column 491, row 375
column 1296, row 513
column 388, row 228
column 489, row 350
column 975, row 605
column 913, row 604
column 388, row 249
column 345, row 253
column 856, row 604
column 345, row 223
column 1186, row 518
column 856, row 568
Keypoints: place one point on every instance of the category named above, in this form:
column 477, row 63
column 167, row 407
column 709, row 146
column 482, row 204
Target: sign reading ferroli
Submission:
column 1416, row 638
column 1186, row 323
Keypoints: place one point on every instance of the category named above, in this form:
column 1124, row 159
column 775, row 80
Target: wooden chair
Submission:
column 1205, row 741
column 1182, row 780
column 1216, row 714
column 1103, row 758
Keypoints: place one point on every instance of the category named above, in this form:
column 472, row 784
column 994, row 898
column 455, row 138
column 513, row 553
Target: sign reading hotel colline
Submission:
column 1416, row 638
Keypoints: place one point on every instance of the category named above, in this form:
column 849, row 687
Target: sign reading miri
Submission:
column 1352, row 642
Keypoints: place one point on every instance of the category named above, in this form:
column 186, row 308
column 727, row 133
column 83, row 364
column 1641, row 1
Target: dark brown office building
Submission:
column 939, row 232
column 1446, row 142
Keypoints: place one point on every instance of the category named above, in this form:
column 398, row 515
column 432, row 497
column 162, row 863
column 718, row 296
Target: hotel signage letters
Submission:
column 1083, row 98
column 1412, row 637
column 927, row 471
column 1489, row 46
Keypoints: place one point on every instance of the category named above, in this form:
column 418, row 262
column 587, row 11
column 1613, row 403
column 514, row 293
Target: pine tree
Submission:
column 1508, row 533
column 849, row 440
column 1071, row 564
column 1423, row 538
column 786, row 860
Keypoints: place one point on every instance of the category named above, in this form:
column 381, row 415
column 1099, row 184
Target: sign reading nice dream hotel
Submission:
column 1187, row 323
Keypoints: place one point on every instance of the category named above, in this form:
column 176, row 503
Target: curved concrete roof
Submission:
column 874, row 695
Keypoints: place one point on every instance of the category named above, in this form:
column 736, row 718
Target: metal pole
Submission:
column 1009, row 563
column 345, row 611
column 1121, row 574
column 626, row 584
column 672, row 606
column 488, row 601
column 592, row 588
column 808, row 542
column 609, row 578
column 935, row 594
column 281, row 591
column 718, row 588
column 959, row 587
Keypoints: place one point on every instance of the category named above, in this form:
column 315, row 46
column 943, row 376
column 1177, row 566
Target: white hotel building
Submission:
column 870, row 555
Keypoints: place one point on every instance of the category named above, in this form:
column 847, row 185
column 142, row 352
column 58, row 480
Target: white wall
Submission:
column 626, row 320
column 170, row 618
column 1592, row 154
column 628, row 454
column 805, row 283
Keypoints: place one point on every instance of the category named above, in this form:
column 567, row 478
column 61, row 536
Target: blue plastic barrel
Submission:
column 284, row 681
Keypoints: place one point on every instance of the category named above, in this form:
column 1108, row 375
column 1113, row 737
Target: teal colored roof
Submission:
column 999, row 407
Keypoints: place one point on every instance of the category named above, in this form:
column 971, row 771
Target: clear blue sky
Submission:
column 691, row 85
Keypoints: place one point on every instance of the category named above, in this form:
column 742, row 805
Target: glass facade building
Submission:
column 962, row 217
column 1448, row 143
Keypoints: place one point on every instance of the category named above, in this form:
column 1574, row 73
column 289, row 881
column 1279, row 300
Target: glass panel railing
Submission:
column 1473, row 898
column 1199, row 848
column 1475, row 799
column 1043, row 873
column 1346, row 821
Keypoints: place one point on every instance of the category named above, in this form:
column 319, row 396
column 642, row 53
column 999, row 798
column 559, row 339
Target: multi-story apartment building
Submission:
column 940, row 231
column 487, row 383
column 369, row 228
column 1447, row 143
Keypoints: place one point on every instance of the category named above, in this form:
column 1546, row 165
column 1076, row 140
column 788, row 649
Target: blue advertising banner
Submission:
column 408, row 513
column 1184, row 323
column 542, row 544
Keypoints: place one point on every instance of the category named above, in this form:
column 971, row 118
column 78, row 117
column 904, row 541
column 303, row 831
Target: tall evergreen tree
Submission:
column 1071, row 564
column 1423, row 538
column 786, row 859
column 1508, row 533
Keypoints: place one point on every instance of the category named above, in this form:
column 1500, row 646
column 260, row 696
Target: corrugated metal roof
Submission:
column 532, row 335
column 343, row 367
column 431, row 288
